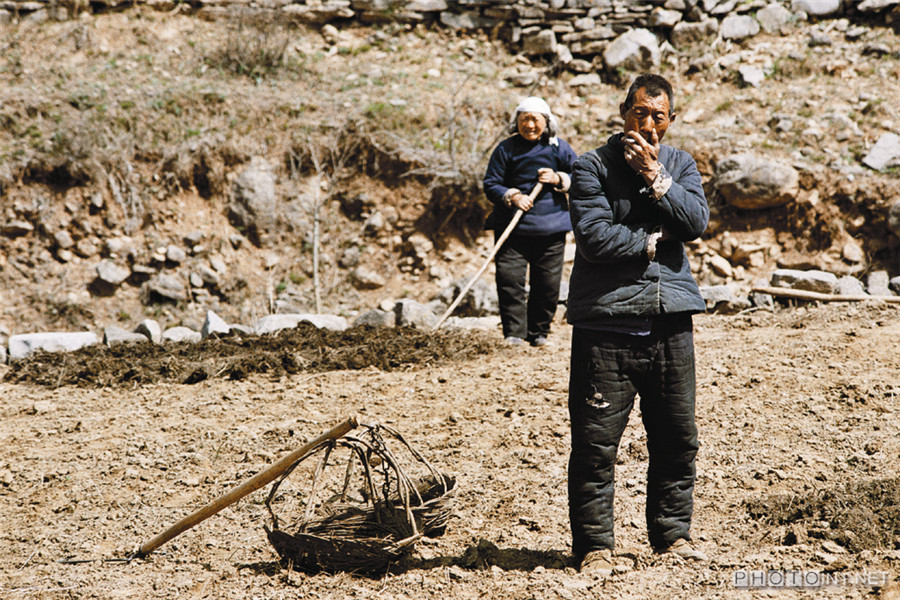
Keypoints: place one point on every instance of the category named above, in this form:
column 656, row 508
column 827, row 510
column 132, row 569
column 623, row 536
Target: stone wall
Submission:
column 585, row 35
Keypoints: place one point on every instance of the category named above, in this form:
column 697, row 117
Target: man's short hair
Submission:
column 654, row 85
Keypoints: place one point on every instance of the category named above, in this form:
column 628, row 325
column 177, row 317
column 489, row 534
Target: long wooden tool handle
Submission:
column 251, row 485
column 821, row 297
column 512, row 225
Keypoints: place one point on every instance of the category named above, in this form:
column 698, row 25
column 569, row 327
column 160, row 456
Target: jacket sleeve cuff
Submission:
column 652, row 240
column 507, row 197
column 660, row 185
column 564, row 182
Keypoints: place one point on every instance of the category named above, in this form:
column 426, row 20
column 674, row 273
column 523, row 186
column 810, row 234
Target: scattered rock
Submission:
column 686, row 33
column 816, row 8
column 114, row 336
column 660, row 17
column 163, row 288
column 86, row 248
column 489, row 323
column 63, row 239
column 719, row 265
column 853, row 253
column 539, row 43
column 738, row 27
column 181, row 334
column 364, row 278
column 13, row 229
column 207, row 276
column 751, row 75
column 479, row 301
column 20, row 346
column 849, row 286
column 773, row 17
column 884, row 153
column 109, row 277
column 150, row 329
column 273, row 323
column 214, row 325
column 350, row 257
column 175, row 254
column 878, row 284
column 811, row 281
column 375, row 318
column 410, row 313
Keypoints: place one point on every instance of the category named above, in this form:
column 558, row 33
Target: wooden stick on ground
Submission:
column 512, row 224
column 820, row 297
column 254, row 483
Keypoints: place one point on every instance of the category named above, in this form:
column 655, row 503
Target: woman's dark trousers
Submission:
column 529, row 315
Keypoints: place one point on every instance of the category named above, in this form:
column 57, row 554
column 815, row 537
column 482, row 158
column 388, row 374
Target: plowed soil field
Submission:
column 798, row 469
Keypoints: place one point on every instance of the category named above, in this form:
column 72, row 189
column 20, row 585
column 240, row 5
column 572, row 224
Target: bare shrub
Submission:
column 253, row 47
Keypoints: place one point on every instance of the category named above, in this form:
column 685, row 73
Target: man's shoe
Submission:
column 514, row 341
column 539, row 341
column 598, row 563
column 686, row 549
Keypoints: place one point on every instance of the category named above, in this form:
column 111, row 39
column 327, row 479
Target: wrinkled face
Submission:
column 531, row 125
column 648, row 113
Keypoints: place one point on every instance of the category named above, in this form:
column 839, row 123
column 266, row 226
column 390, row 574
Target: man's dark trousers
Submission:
column 529, row 315
column 607, row 370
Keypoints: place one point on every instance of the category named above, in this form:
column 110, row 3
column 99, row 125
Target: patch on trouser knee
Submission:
column 595, row 400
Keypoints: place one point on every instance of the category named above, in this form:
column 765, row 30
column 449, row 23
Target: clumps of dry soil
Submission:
column 857, row 515
column 302, row 349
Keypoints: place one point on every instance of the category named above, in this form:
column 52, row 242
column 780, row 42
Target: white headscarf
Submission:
column 534, row 104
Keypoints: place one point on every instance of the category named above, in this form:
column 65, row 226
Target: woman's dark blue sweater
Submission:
column 514, row 164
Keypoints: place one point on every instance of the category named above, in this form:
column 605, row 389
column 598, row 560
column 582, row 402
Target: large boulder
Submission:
column 636, row 50
column 751, row 182
column 252, row 205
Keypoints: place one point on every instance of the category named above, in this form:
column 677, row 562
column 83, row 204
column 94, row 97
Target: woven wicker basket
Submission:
column 370, row 532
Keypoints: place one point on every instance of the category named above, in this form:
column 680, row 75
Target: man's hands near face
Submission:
column 641, row 155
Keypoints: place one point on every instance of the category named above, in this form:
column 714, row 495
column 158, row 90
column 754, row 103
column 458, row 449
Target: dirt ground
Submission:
column 798, row 468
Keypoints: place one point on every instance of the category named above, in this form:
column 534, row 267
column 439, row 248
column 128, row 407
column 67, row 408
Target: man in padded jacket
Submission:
column 633, row 204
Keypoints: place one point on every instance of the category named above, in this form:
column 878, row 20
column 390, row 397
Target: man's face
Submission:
column 646, row 114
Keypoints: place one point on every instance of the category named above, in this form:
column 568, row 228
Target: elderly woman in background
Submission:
column 532, row 154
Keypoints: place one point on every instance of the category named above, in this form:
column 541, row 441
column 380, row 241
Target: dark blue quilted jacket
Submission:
column 612, row 216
